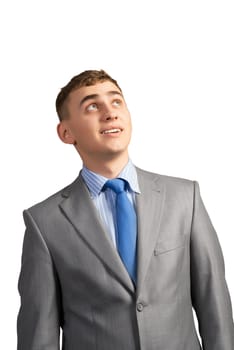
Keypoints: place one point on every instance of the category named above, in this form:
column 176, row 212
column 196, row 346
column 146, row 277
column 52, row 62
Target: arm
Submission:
column 210, row 295
column 39, row 317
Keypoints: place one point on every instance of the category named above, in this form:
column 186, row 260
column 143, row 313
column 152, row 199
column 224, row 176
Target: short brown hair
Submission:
column 86, row 78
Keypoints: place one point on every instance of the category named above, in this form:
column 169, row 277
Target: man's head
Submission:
column 94, row 118
column 86, row 78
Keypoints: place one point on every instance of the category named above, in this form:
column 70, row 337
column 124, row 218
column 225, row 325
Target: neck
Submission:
column 107, row 168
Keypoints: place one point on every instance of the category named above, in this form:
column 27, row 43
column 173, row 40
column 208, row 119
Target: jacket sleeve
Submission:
column 210, row 295
column 38, row 323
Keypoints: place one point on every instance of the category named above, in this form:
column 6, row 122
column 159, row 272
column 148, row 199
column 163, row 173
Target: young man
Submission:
column 119, row 268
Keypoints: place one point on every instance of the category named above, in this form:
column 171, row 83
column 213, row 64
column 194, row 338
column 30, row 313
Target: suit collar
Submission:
column 79, row 209
column 149, row 209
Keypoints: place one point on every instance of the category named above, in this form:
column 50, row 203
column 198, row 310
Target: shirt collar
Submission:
column 95, row 182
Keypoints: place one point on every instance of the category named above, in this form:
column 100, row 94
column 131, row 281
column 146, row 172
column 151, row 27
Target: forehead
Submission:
column 99, row 89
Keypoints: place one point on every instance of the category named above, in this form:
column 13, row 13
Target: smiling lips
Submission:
column 111, row 131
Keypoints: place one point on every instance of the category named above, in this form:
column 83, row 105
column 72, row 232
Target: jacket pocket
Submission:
column 166, row 246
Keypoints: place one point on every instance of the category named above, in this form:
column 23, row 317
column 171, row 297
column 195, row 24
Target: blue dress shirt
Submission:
column 105, row 200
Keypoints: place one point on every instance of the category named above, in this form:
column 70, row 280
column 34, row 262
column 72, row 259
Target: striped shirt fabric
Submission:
column 104, row 201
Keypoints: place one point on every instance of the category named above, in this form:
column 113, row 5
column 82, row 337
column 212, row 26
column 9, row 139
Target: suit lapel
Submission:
column 149, row 208
column 82, row 214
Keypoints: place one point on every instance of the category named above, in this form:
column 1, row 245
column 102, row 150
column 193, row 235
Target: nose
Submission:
column 110, row 116
column 108, row 113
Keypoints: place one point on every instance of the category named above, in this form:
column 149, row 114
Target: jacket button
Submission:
column 140, row 307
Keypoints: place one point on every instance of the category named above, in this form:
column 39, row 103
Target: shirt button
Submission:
column 140, row 307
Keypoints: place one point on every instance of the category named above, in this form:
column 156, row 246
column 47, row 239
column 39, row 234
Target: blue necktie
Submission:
column 126, row 226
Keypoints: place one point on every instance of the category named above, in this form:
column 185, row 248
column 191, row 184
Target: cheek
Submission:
column 129, row 124
column 86, row 135
column 81, row 129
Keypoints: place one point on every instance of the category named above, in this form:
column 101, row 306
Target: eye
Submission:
column 92, row 107
column 117, row 103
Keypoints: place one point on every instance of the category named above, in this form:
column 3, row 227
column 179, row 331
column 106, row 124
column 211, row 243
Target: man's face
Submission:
column 99, row 121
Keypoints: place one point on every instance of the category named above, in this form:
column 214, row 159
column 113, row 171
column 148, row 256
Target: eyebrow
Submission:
column 93, row 96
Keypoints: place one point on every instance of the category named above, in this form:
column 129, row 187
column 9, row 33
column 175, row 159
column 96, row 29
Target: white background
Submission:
column 174, row 62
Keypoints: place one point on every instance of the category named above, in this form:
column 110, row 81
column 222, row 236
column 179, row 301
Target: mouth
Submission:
column 111, row 131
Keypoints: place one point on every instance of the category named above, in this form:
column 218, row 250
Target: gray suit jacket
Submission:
column 72, row 276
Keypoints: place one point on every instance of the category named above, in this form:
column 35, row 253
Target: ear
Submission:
column 64, row 133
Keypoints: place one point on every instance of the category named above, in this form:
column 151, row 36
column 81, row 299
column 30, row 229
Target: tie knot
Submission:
column 117, row 185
